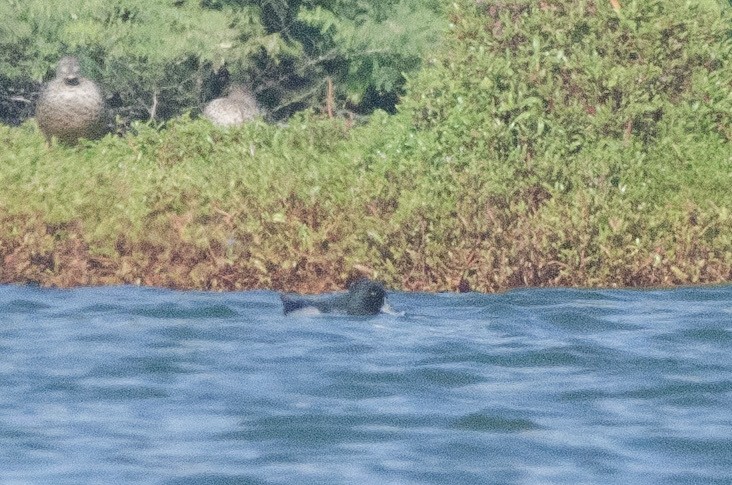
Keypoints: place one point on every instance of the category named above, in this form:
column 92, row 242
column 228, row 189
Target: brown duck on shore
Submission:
column 70, row 106
column 238, row 107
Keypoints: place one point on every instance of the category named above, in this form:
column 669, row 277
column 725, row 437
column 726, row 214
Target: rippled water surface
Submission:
column 139, row 385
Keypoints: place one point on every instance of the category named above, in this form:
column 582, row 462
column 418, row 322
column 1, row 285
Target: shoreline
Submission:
column 307, row 290
column 316, row 285
column 58, row 257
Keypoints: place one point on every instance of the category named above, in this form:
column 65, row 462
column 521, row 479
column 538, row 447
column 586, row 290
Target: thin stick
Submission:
column 329, row 101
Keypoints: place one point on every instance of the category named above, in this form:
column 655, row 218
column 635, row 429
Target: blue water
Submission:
column 140, row 385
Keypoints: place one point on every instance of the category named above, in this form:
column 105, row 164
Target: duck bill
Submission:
column 387, row 308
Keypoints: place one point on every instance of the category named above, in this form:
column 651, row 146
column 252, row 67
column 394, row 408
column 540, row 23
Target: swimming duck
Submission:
column 364, row 297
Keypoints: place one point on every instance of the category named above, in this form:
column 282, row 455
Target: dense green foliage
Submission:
column 611, row 128
column 159, row 59
column 368, row 46
column 566, row 90
column 546, row 143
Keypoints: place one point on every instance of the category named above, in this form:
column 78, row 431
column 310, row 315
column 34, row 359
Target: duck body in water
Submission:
column 364, row 297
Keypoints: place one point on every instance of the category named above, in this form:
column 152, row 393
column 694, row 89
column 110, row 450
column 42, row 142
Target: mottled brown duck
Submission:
column 70, row 106
column 238, row 107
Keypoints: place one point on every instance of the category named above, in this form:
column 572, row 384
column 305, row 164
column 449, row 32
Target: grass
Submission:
column 310, row 205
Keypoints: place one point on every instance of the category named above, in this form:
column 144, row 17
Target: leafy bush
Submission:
column 368, row 46
column 545, row 143
column 533, row 158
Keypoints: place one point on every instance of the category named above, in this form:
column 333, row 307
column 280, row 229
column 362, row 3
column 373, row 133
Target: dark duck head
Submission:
column 365, row 297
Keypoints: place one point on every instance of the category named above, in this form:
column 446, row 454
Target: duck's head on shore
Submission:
column 69, row 70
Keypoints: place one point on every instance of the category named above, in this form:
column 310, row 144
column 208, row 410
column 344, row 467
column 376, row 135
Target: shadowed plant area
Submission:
column 158, row 60
column 546, row 143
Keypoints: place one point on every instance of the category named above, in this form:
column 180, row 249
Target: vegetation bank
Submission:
column 547, row 143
